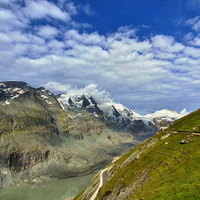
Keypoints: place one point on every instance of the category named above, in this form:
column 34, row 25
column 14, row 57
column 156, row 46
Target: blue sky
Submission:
column 144, row 53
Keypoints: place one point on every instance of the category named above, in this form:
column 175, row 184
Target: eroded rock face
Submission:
column 40, row 141
column 23, row 161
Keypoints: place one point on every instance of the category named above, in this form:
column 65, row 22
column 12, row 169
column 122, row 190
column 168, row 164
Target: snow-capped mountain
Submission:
column 108, row 110
column 163, row 118
column 165, row 113
column 118, row 116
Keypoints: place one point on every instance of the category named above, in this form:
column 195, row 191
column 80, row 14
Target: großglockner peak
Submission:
column 118, row 115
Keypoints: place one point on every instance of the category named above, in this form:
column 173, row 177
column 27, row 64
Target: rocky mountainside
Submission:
column 166, row 166
column 44, row 137
column 39, row 141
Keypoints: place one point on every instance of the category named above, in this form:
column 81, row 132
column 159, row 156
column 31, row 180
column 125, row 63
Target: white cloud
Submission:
column 56, row 86
column 86, row 39
column 184, row 112
column 80, row 25
column 7, row 1
column 88, row 10
column 166, row 43
column 47, row 31
column 195, row 41
column 43, row 9
column 4, row 38
column 71, row 8
column 196, row 27
column 100, row 96
column 188, row 37
column 192, row 21
column 55, row 44
column 193, row 52
column 9, row 20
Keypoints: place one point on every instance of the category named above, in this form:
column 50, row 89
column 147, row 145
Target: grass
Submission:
column 178, row 179
column 190, row 122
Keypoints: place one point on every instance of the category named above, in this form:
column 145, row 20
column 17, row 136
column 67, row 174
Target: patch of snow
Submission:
column 69, row 116
column 145, row 120
column 21, row 92
column 95, row 114
column 16, row 89
column 61, row 104
column 48, row 102
column 79, row 114
column 79, row 104
column 90, row 106
column 7, row 102
column 2, row 84
column 15, row 96
column 62, row 100
column 44, row 97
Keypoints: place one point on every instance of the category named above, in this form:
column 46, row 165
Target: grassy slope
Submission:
column 173, row 168
column 190, row 122
column 174, row 180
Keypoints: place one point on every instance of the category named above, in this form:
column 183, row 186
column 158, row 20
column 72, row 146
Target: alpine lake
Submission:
column 57, row 190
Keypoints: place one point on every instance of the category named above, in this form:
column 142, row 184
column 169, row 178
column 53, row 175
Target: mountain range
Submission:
column 44, row 137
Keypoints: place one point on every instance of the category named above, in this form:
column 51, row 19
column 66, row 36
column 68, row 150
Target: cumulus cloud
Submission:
column 84, row 38
column 41, row 9
column 47, row 31
column 100, row 96
column 184, row 112
column 56, row 86
column 166, row 43
column 9, row 20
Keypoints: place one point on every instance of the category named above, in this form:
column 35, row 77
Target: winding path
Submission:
column 103, row 180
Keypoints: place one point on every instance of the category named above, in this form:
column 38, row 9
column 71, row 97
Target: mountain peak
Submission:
column 164, row 113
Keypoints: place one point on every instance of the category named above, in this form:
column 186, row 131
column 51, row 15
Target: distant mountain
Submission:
column 166, row 166
column 164, row 117
column 165, row 114
column 119, row 117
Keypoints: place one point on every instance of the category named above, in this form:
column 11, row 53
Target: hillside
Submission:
column 190, row 122
column 166, row 166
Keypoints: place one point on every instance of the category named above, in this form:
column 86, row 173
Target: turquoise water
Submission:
column 57, row 190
